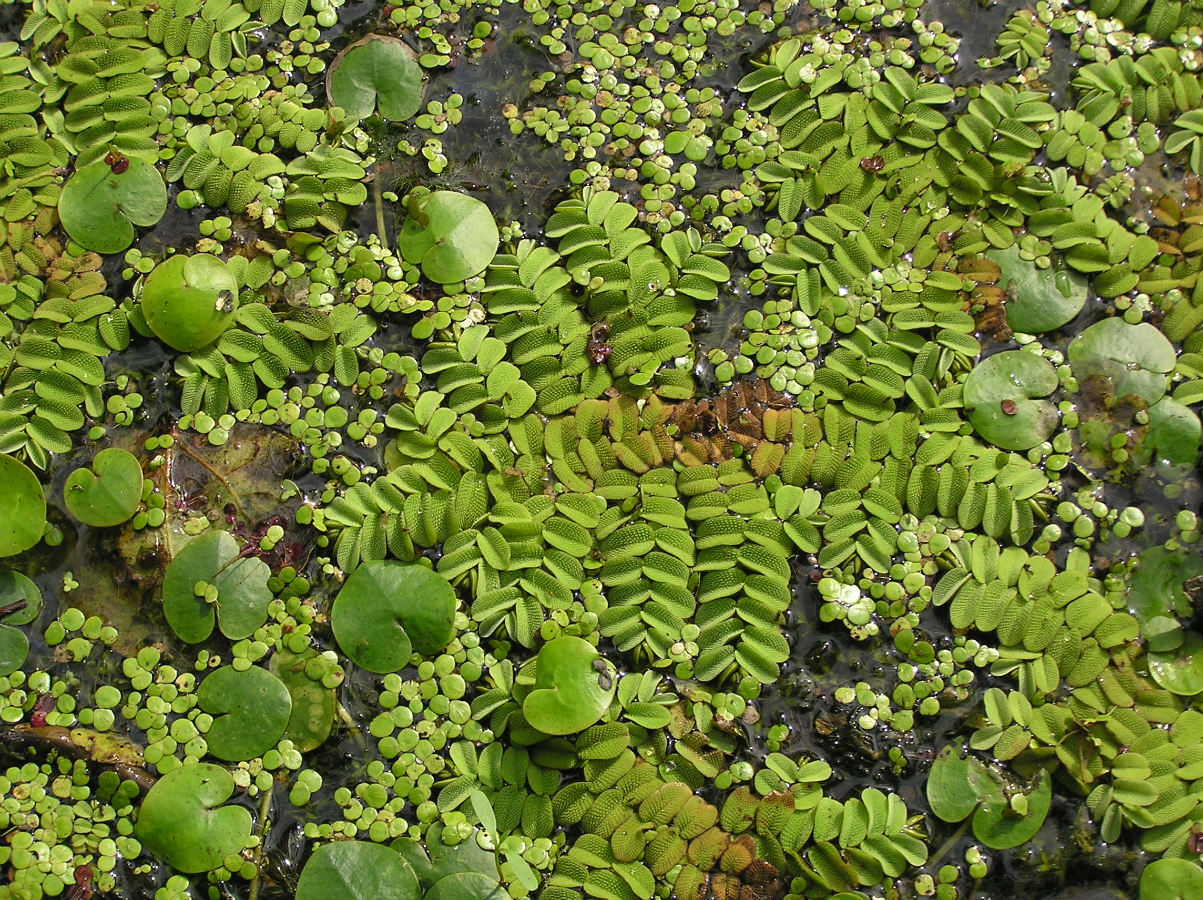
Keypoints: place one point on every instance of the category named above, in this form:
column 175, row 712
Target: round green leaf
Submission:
column 996, row 825
column 573, row 687
column 378, row 72
column 313, row 704
column 998, row 395
column 1135, row 358
column 108, row 493
column 242, row 590
column 14, row 648
column 250, row 710
column 1180, row 671
column 949, row 790
column 1156, row 587
column 188, row 301
column 182, row 819
column 357, row 870
column 451, row 235
column 466, row 886
column 24, row 505
column 1038, row 300
column 1174, row 433
column 15, row 587
column 100, row 207
column 1171, row 879
column 387, row 609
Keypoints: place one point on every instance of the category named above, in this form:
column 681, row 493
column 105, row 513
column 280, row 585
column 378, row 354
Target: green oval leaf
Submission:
column 999, row 396
column 1180, row 671
column 451, row 236
column 996, row 823
column 1135, row 358
column 24, row 505
column 1171, row 879
column 250, row 710
column 466, row 886
column 188, row 301
column 240, row 583
column 313, row 704
column 99, row 207
column 377, row 73
column 182, row 819
column 949, row 790
column 108, row 493
column 357, row 870
column 573, row 687
column 387, row 609
column 1038, row 300
column 16, row 588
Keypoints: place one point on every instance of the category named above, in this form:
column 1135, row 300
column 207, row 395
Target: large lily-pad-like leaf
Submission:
column 19, row 593
column 250, row 710
column 958, row 786
column 1038, row 300
column 182, row 819
column 1171, row 879
column 573, row 687
column 1174, row 434
column 100, row 206
column 313, row 704
column 1135, row 358
column 357, row 870
column 24, row 505
column 1180, row 670
column 188, row 301
column 240, row 583
column 109, row 492
column 451, row 236
column 1001, row 396
column 387, row 609
column 376, row 73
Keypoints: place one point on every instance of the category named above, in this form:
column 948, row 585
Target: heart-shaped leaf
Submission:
column 100, row 206
column 182, row 819
column 999, row 396
column 188, row 301
column 108, row 493
column 996, row 823
column 376, row 73
column 24, row 505
column 1180, row 670
column 1174, row 434
column 573, row 687
column 949, row 788
column 250, row 710
column 14, row 649
column 451, row 236
column 1038, row 299
column 240, row 584
column 1171, row 879
column 22, row 596
column 387, row 609
column 1156, row 587
column 313, row 704
column 466, row 886
column 957, row 786
column 19, row 593
column 357, row 870
column 1135, row 358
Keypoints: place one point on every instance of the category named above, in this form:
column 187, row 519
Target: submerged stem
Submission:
column 951, row 842
column 378, row 200
column 265, row 806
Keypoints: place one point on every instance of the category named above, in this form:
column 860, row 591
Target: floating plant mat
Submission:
column 577, row 450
